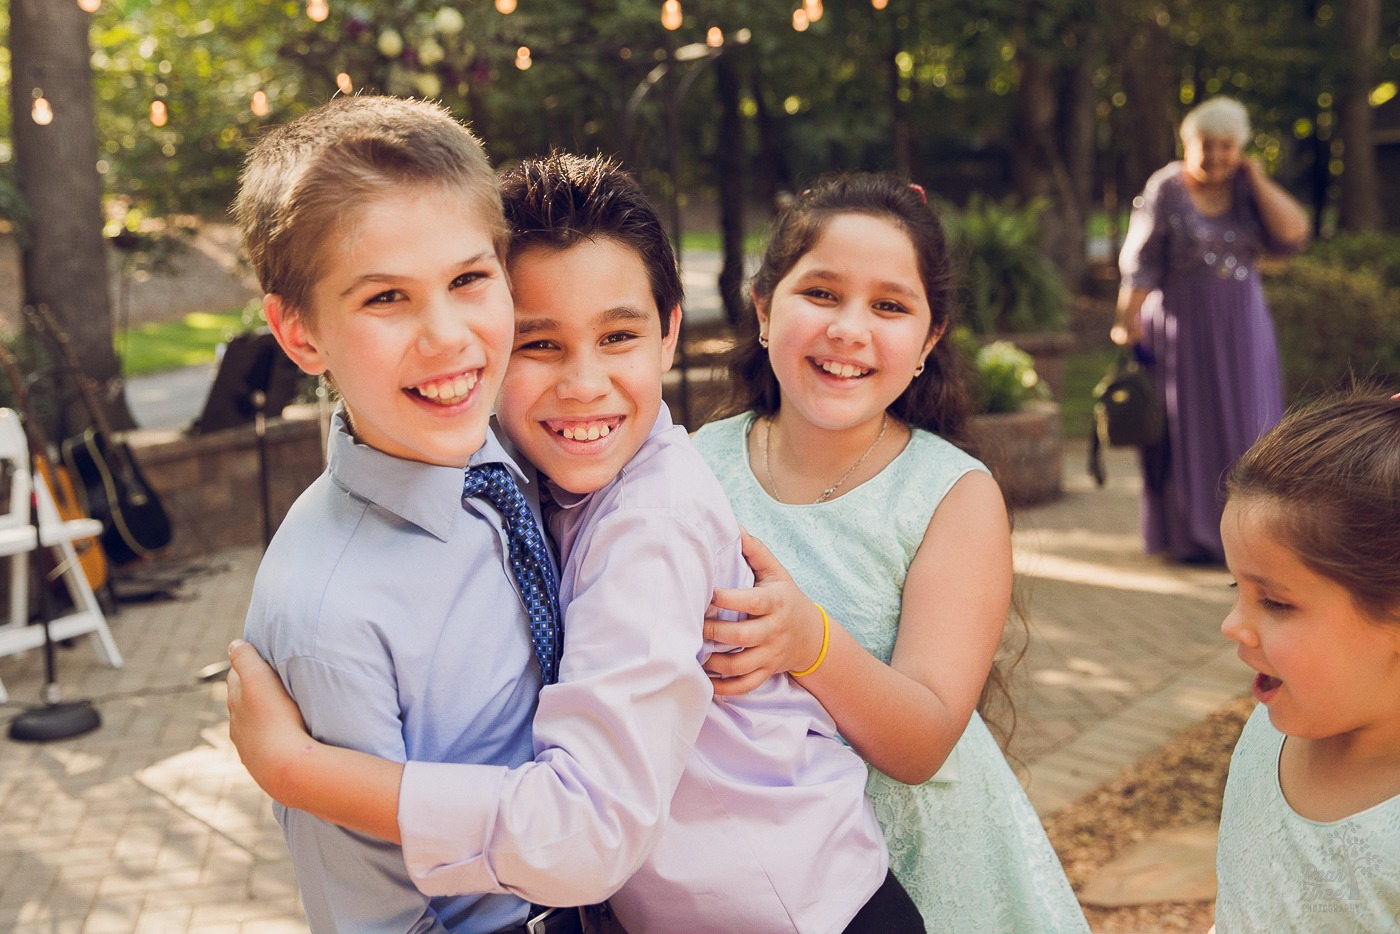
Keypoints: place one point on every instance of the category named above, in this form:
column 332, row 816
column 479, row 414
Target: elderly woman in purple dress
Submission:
column 1192, row 304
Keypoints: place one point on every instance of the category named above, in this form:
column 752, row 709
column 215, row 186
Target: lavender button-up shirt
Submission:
column 692, row 813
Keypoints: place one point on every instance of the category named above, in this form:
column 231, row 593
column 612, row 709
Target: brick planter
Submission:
column 1023, row 450
column 211, row 485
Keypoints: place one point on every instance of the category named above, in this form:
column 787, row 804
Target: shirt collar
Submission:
column 566, row 500
column 427, row 495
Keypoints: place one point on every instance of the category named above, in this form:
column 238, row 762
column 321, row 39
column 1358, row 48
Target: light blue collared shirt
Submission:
column 390, row 612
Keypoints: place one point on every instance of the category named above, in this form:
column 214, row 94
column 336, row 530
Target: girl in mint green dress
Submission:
column 842, row 458
column 1310, row 826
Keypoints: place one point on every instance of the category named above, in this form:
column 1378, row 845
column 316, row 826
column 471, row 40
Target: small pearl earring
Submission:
column 762, row 340
column 918, row 371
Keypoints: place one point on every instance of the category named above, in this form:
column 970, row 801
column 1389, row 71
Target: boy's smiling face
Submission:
column 584, row 385
column 412, row 317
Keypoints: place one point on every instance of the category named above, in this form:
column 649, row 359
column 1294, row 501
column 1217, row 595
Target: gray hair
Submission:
column 1219, row 116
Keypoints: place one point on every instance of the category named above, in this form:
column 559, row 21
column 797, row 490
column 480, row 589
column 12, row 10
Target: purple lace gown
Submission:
column 1215, row 356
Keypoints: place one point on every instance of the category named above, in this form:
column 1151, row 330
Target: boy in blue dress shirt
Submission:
column 743, row 814
column 385, row 601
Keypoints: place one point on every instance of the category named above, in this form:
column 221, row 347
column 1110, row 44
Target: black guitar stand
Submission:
column 54, row 719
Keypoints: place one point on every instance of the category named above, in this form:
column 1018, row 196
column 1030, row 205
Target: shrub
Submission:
column 1337, row 309
column 1009, row 285
column 1379, row 252
column 1002, row 376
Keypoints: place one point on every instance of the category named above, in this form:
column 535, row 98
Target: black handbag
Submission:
column 1127, row 412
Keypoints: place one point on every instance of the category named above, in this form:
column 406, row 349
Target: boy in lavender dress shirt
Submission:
column 376, row 230
column 738, row 814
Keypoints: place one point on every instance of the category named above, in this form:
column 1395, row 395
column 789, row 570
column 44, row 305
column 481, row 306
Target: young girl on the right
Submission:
column 1310, row 829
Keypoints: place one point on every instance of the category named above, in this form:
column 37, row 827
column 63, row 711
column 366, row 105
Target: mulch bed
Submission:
column 1179, row 785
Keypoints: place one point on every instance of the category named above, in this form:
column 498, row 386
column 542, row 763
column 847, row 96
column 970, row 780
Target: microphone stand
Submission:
column 54, row 719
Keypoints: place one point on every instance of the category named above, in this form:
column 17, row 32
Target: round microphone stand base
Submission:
column 55, row 721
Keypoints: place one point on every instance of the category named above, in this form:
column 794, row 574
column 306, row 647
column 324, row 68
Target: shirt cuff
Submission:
column 446, row 812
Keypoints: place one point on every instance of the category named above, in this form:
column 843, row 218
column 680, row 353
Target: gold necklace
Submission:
column 826, row 493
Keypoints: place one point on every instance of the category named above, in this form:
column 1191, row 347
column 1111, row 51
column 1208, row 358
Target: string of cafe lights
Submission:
column 672, row 17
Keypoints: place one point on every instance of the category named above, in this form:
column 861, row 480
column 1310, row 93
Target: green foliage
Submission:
column 1003, row 377
column 1009, row 284
column 945, row 70
column 204, row 62
column 1337, row 310
column 1377, row 251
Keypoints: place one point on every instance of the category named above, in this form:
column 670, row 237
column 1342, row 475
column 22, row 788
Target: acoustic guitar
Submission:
column 134, row 521
column 90, row 554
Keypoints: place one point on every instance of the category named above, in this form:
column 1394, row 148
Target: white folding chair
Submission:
column 18, row 537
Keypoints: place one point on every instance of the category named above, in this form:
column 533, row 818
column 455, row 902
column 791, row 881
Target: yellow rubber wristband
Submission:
column 826, row 643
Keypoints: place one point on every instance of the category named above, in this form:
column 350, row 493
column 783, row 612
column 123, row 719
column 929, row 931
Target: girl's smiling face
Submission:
column 849, row 323
column 1324, row 668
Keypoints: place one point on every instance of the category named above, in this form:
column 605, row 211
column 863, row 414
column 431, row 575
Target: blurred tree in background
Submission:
column 1072, row 101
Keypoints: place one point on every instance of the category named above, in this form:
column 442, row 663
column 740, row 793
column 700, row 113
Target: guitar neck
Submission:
column 81, row 380
column 38, row 443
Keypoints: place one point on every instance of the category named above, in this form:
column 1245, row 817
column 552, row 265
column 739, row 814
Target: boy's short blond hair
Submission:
column 303, row 181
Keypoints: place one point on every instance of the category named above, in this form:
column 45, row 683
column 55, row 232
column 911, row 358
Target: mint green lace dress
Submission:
column 966, row 844
column 1280, row 871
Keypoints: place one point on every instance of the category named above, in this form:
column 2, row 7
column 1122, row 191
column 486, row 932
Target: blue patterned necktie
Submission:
column 529, row 560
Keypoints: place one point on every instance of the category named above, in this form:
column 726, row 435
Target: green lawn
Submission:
column 155, row 348
column 754, row 241
column 1083, row 371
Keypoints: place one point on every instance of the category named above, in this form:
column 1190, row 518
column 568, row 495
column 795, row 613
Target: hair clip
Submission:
column 804, row 193
column 1395, row 398
column 919, row 190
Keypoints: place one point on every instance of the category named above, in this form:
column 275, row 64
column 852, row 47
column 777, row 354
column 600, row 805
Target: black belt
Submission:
column 549, row 921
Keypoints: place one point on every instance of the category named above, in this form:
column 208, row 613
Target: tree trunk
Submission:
column 776, row 173
column 901, row 127
column 1049, row 105
column 1361, row 206
column 1144, row 128
column 64, row 258
column 729, row 160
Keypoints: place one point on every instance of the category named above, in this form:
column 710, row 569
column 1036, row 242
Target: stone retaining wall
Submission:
column 212, row 489
column 211, row 485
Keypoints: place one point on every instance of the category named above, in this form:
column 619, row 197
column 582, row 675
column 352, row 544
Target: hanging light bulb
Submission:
column 879, row 4
column 42, row 112
column 813, row 9
column 317, row 10
column 671, row 14
column 799, row 20
column 343, row 82
column 259, row 105
column 89, row 6
column 505, row 7
column 522, row 58
column 714, row 38
column 159, row 115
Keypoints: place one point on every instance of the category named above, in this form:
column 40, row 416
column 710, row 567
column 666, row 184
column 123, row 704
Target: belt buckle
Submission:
column 548, row 920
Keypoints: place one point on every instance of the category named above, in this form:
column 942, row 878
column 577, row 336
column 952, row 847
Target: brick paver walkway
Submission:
column 150, row 825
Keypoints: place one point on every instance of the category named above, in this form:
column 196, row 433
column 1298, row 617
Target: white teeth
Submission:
column 448, row 389
column 589, row 433
column 843, row 370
